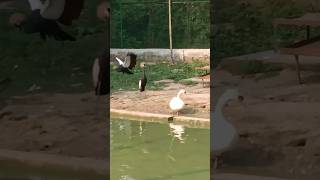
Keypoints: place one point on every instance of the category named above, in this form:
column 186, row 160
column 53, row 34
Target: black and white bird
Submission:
column 47, row 16
column 100, row 74
column 143, row 81
column 128, row 64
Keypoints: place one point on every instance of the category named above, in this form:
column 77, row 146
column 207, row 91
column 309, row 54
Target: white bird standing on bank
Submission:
column 176, row 103
column 223, row 134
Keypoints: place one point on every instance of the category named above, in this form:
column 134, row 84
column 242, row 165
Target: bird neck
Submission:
column 144, row 72
column 179, row 94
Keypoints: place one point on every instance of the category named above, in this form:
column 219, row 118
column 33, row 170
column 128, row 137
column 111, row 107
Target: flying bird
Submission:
column 128, row 64
column 46, row 16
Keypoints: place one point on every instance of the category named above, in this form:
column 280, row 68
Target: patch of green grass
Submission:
column 254, row 67
column 155, row 72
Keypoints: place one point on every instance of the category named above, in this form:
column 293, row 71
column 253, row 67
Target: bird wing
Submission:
column 127, row 62
column 72, row 11
column 65, row 11
column 133, row 60
column 120, row 61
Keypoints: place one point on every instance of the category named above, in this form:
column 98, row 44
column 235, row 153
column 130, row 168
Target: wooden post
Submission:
column 121, row 24
column 170, row 29
column 298, row 68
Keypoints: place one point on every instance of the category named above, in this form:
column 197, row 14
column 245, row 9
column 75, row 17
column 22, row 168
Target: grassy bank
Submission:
column 155, row 72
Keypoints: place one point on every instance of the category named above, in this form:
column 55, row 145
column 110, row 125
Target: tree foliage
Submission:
column 241, row 27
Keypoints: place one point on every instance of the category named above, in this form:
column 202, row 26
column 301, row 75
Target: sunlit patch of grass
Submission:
column 188, row 82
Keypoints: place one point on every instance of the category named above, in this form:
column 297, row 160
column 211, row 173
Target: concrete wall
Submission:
column 186, row 55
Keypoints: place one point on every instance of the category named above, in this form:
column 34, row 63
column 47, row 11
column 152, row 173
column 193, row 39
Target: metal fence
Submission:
column 146, row 24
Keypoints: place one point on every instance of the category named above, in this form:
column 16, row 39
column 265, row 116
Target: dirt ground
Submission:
column 60, row 124
column 197, row 100
column 278, row 123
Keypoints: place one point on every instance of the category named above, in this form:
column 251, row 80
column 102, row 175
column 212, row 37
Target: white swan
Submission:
column 223, row 134
column 176, row 103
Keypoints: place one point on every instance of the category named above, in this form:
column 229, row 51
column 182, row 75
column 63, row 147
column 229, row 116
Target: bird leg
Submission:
column 217, row 162
column 97, row 107
column 97, row 100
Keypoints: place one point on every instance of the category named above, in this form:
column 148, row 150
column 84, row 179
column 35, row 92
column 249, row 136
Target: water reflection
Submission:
column 149, row 150
column 126, row 177
column 177, row 131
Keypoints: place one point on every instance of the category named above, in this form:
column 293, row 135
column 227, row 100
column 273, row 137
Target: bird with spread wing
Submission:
column 47, row 17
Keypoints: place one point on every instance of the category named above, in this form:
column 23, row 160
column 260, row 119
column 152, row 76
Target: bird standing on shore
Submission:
column 100, row 74
column 176, row 103
column 143, row 81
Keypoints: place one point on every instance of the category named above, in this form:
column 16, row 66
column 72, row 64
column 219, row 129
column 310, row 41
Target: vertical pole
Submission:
column 170, row 29
column 121, row 24
column 189, row 8
column 107, row 108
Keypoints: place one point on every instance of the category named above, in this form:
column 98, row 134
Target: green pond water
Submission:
column 156, row 151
